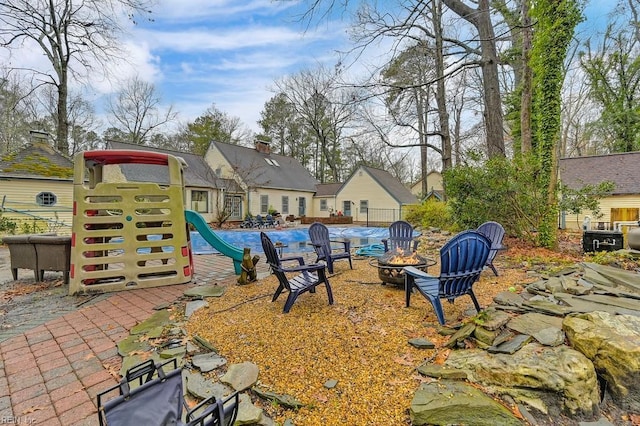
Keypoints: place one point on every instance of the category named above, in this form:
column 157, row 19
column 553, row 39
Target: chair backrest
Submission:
column 494, row 231
column 400, row 236
column 319, row 235
column 273, row 260
column 462, row 259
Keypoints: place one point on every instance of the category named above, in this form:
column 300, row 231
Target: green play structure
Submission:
column 129, row 234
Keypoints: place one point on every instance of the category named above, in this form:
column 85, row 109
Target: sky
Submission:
column 198, row 53
column 227, row 52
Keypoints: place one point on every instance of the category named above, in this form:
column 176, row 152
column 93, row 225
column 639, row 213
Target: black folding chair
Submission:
column 158, row 399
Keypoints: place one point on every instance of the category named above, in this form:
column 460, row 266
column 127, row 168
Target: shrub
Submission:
column 431, row 213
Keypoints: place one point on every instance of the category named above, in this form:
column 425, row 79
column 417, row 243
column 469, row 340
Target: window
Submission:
column 233, row 204
column 46, row 199
column 364, row 206
column 264, row 204
column 200, row 201
column 323, row 205
column 285, row 204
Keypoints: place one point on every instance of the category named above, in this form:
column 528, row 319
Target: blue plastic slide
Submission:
column 201, row 225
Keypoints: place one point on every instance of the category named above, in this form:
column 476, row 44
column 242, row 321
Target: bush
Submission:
column 510, row 192
column 431, row 213
column 7, row 226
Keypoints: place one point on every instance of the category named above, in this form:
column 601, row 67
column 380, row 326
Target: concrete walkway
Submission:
column 51, row 374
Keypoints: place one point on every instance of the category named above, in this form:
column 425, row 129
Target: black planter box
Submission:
column 602, row 241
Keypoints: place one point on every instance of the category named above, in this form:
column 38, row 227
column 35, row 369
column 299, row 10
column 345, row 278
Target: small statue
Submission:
column 248, row 267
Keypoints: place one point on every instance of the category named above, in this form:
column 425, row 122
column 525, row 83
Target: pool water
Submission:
column 297, row 240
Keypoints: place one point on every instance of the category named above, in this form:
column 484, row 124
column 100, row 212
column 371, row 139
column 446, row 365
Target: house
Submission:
column 205, row 192
column 324, row 200
column 36, row 188
column 622, row 205
column 372, row 195
column 435, row 187
column 271, row 182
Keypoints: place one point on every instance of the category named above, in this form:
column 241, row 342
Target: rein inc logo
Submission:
column 17, row 420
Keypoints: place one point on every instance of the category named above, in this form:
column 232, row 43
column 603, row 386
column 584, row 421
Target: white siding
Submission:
column 361, row 186
column 573, row 221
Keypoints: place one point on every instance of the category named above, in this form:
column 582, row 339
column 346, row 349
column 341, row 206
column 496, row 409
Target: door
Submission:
column 346, row 207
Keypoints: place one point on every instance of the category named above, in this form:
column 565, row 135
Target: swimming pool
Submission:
column 296, row 240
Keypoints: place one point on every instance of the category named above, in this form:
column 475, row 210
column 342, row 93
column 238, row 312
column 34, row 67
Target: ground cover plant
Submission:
column 361, row 342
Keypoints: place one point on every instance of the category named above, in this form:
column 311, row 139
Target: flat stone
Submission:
column 159, row 319
column 173, row 352
column 508, row 298
column 193, row 306
column 450, row 402
column 549, row 336
column 284, row 400
column 531, row 323
column 422, row 343
column 547, row 306
column 201, row 387
column 493, row 319
column 205, row 291
column 438, row 371
column 208, row 362
column 241, row 376
column 511, row 346
column 132, row 344
column 330, row 384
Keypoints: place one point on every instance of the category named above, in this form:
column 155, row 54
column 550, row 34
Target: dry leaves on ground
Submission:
column 361, row 341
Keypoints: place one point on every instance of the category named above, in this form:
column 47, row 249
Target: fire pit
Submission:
column 391, row 263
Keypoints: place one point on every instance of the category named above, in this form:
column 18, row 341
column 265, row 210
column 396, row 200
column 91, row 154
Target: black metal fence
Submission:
column 383, row 217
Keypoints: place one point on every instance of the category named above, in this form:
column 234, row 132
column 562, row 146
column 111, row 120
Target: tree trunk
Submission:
column 62, row 132
column 526, row 133
column 443, row 113
column 480, row 18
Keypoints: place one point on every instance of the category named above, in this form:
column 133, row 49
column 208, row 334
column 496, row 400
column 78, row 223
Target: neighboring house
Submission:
column 435, row 187
column 36, row 188
column 324, row 201
column 205, row 193
column 270, row 181
column 373, row 192
column 624, row 202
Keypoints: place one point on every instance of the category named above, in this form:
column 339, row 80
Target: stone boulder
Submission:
column 612, row 343
column 450, row 402
column 552, row 379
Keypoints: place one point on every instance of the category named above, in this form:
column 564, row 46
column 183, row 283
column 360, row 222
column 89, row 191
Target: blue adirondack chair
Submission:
column 319, row 235
column 400, row 237
column 310, row 276
column 462, row 259
column 495, row 232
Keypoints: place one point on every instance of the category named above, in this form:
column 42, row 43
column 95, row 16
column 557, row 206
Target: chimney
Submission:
column 39, row 136
column 262, row 146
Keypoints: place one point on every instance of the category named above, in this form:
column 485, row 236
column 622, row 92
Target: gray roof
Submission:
column 392, row 185
column 196, row 174
column 36, row 161
column 285, row 173
column 327, row 189
column 622, row 169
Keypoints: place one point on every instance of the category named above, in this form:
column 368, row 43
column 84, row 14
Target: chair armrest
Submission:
column 415, row 272
column 299, row 259
column 346, row 243
column 308, row 268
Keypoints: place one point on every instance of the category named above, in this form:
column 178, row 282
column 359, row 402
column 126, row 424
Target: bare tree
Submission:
column 74, row 35
column 136, row 111
column 325, row 109
column 15, row 115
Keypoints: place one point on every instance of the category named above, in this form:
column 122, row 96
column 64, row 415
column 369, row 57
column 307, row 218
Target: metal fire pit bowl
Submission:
column 393, row 273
